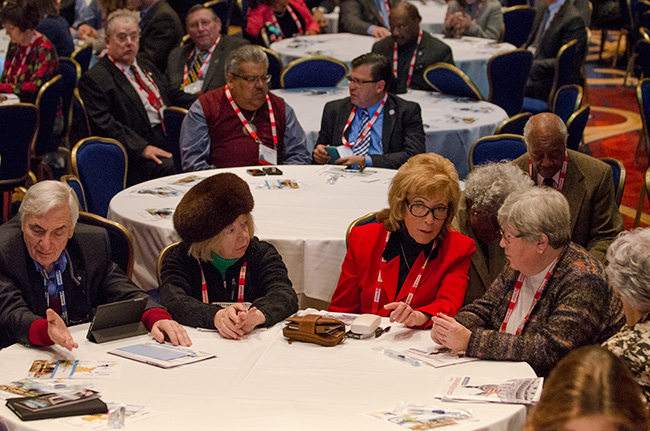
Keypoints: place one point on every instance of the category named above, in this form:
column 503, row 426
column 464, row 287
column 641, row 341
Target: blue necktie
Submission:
column 361, row 148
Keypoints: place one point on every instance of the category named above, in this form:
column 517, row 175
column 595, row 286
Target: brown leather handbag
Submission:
column 314, row 328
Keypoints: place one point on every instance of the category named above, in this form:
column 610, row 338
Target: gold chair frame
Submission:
column 358, row 221
column 459, row 72
column 494, row 137
column 161, row 257
column 310, row 58
column 95, row 220
column 621, row 178
column 82, row 142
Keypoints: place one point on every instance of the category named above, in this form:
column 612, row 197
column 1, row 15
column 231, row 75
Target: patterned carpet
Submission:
column 614, row 127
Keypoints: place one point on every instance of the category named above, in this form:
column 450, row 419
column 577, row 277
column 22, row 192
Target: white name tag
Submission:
column 194, row 87
column 268, row 156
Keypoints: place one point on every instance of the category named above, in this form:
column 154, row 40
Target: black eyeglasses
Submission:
column 507, row 237
column 356, row 81
column 264, row 79
column 418, row 209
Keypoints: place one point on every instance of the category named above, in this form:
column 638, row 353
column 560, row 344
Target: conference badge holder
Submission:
column 267, row 156
column 314, row 328
column 117, row 320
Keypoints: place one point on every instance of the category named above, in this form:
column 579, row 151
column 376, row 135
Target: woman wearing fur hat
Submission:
column 219, row 260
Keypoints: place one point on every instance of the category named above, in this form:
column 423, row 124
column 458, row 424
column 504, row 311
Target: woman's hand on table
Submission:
column 449, row 333
column 58, row 331
column 172, row 330
column 320, row 155
column 403, row 313
column 235, row 321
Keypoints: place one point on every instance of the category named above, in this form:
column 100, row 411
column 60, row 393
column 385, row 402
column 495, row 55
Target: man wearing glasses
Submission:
column 125, row 99
column 198, row 66
column 242, row 124
column 371, row 127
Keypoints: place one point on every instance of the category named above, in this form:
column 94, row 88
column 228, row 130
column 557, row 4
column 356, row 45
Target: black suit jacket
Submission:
column 357, row 15
column 215, row 77
column 114, row 107
column 161, row 32
column 430, row 51
column 567, row 25
column 90, row 279
column 402, row 133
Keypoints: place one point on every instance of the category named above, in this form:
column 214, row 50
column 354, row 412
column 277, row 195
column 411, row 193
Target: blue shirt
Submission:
column 62, row 261
column 376, row 146
column 381, row 8
column 551, row 11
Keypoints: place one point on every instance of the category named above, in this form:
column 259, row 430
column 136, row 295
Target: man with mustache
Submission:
column 242, row 124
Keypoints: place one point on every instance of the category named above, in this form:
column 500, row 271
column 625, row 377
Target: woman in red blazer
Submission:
column 410, row 265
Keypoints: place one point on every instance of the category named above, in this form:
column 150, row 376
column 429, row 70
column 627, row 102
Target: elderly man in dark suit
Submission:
column 125, row 98
column 556, row 22
column 54, row 273
column 585, row 182
column 199, row 65
column 416, row 49
column 161, row 28
column 371, row 127
column 368, row 17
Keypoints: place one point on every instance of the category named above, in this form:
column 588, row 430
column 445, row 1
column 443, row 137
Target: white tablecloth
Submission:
column 471, row 54
column 263, row 383
column 451, row 124
column 306, row 225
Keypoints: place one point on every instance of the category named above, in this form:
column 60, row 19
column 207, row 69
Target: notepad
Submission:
column 155, row 352
column 161, row 355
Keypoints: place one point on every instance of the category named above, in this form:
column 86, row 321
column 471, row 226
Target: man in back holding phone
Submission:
column 242, row 124
column 371, row 127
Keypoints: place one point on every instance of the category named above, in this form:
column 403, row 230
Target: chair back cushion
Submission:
column 119, row 238
column 576, row 127
column 100, row 165
column 313, row 72
column 22, row 120
column 48, row 102
column 518, row 23
column 70, row 72
column 508, row 73
column 568, row 99
column 83, row 56
column 173, row 120
column 496, row 148
column 448, row 79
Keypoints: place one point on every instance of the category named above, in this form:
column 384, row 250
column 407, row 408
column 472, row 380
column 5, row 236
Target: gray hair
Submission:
column 245, row 54
column 629, row 267
column 42, row 197
column 537, row 211
column 120, row 14
column 490, row 184
column 203, row 250
column 550, row 121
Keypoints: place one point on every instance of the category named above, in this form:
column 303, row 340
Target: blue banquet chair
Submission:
column 450, row 80
column 514, row 125
column 313, row 71
column 518, row 23
column 618, row 174
column 22, row 120
column 173, row 120
column 496, row 148
column 275, row 68
column 83, row 56
column 221, row 9
column 70, row 72
column 75, row 185
column 119, row 237
column 568, row 99
column 101, row 166
column 363, row 220
column 507, row 73
column 575, row 126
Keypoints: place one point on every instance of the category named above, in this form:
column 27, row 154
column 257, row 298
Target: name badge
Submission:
column 194, row 87
column 268, row 156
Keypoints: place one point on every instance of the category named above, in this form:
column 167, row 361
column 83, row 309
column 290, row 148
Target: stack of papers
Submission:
column 486, row 389
column 161, row 355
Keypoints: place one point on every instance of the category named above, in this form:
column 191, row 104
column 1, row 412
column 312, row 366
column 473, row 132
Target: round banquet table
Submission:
column 263, row 383
column 451, row 124
column 471, row 54
column 307, row 225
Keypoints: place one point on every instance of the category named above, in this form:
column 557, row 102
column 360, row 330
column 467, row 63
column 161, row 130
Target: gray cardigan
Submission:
column 487, row 20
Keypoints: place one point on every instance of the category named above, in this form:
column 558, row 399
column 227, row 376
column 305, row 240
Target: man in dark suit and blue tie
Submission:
column 371, row 127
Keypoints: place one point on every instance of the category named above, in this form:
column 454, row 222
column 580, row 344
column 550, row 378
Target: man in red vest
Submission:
column 242, row 124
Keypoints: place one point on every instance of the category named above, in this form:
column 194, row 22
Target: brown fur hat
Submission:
column 211, row 205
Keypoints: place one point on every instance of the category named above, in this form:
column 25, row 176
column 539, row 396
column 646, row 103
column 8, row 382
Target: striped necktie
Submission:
column 196, row 65
column 361, row 148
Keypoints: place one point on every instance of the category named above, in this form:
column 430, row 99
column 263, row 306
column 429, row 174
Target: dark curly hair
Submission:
column 20, row 13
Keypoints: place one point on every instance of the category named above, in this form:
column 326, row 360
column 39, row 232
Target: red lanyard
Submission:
column 153, row 94
column 240, row 289
column 366, row 129
column 414, row 287
column 560, row 183
column 244, row 121
column 412, row 65
column 295, row 18
column 205, row 62
column 515, row 297
column 23, row 60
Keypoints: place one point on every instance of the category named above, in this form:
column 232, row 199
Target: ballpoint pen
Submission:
column 400, row 357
